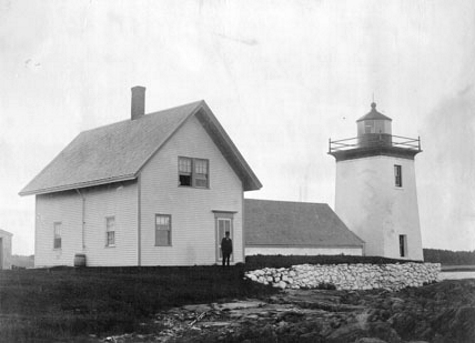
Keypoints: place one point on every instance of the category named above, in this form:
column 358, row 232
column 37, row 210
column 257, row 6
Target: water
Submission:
column 457, row 275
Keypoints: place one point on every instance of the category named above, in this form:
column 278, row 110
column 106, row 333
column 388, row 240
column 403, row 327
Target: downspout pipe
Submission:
column 83, row 219
column 139, row 221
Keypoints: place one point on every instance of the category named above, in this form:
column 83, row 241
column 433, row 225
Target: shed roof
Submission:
column 117, row 152
column 281, row 223
column 374, row 115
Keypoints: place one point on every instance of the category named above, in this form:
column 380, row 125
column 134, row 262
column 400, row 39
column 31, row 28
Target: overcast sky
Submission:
column 282, row 77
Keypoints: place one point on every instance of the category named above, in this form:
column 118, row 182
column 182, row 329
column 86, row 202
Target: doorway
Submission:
column 223, row 223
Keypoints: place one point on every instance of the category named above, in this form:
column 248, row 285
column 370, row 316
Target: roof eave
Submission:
column 78, row 185
column 252, row 186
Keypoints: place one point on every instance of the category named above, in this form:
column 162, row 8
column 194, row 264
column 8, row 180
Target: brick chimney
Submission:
column 138, row 102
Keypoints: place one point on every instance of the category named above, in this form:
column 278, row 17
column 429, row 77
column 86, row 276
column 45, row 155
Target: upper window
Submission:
column 163, row 229
column 193, row 172
column 184, row 171
column 57, row 236
column 397, row 175
column 110, row 231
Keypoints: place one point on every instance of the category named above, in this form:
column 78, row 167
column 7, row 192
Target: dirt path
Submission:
column 442, row 312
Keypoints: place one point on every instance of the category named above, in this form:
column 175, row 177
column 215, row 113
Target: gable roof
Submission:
column 374, row 115
column 275, row 223
column 117, row 152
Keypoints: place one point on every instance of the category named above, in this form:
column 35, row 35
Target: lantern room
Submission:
column 374, row 128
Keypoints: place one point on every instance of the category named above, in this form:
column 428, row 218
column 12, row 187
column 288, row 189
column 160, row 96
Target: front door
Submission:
column 224, row 223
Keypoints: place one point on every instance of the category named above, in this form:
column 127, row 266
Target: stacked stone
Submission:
column 359, row 276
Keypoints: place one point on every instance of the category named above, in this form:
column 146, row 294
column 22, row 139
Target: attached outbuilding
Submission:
column 296, row 228
column 5, row 249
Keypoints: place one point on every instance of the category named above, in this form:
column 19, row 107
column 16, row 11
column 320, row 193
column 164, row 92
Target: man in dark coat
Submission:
column 226, row 248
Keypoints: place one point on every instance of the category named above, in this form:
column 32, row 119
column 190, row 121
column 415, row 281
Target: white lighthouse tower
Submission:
column 376, row 193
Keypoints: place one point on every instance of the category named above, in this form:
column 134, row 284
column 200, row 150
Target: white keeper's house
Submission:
column 157, row 189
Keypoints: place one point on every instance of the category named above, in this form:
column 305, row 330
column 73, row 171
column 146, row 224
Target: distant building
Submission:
column 296, row 228
column 158, row 189
column 5, row 249
column 376, row 192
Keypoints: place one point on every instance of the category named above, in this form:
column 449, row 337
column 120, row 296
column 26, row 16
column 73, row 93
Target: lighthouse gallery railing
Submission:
column 355, row 142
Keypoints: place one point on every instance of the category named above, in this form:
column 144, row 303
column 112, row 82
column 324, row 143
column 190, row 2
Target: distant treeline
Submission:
column 448, row 257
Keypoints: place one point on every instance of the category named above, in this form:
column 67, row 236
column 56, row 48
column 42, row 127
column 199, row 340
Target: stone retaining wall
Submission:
column 360, row 276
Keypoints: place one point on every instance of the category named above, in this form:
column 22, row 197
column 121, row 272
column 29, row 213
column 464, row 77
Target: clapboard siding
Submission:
column 193, row 221
column 64, row 207
column 118, row 200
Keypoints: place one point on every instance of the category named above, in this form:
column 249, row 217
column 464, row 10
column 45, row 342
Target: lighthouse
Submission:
column 376, row 193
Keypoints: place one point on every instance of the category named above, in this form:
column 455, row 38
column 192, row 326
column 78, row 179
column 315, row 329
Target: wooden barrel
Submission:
column 79, row 260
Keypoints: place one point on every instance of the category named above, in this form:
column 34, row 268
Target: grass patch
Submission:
column 61, row 304
column 68, row 304
column 458, row 268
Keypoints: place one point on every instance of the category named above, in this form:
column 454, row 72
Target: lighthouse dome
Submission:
column 374, row 122
column 374, row 114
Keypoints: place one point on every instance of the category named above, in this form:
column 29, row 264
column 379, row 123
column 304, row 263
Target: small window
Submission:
column 397, row 175
column 403, row 245
column 369, row 126
column 193, row 172
column 110, row 231
column 379, row 126
column 57, row 236
column 163, row 230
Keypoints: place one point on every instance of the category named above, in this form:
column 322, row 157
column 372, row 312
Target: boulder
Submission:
column 369, row 340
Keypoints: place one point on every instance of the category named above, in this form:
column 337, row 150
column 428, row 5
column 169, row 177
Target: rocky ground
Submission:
column 440, row 312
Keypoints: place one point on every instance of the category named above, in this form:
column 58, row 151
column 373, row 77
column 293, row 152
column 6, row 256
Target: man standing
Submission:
column 226, row 248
